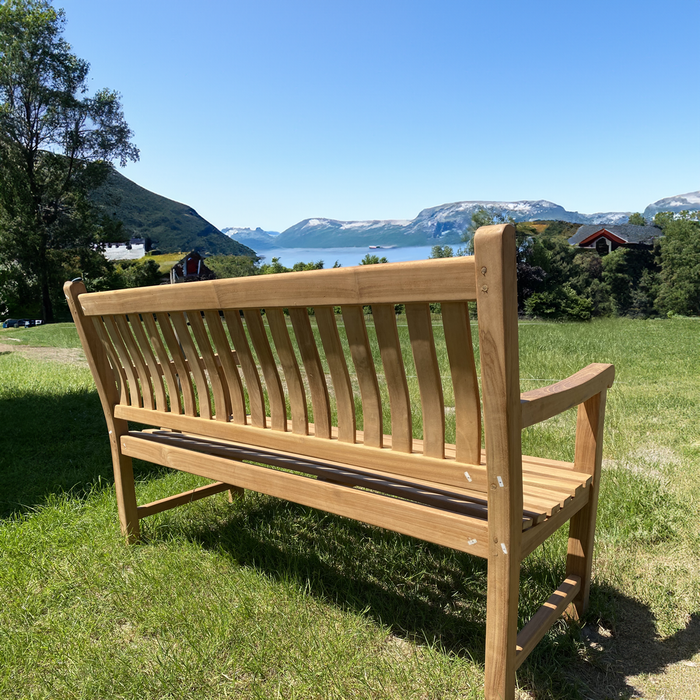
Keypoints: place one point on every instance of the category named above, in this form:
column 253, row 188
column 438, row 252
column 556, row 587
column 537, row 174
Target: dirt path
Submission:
column 71, row 356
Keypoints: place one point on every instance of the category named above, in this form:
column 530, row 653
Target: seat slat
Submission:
column 290, row 367
column 460, row 352
column 189, row 350
column 395, row 374
column 414, row 519
column 180, row 362
column 250, row 371
column 164, row 363
column 333, row 349
column 340, row 472
column 314, row 370
column 361, row 353
column 222, row 404
column 231, row 377
column 420, row 331
column 275, row 392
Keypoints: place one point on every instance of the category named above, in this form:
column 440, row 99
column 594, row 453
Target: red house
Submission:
column 191, row 269
column 606, row 238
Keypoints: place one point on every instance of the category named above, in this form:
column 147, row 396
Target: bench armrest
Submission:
column 539, row 404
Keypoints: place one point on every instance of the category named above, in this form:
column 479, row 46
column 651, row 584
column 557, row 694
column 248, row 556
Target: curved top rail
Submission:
column 446, row 279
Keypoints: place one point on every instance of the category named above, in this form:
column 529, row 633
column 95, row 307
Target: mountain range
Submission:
column 436, row 225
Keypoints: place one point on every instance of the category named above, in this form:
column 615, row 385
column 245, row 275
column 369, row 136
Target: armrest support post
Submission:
column 588, row 458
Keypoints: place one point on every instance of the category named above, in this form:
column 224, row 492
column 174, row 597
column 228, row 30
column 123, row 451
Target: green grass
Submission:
column 54, row 335
column 265, row 599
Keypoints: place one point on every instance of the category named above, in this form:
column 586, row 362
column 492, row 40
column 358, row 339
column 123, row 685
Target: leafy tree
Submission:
column 679, row 289
column 304, row 267
column 370, row 259
column 631, row 276
column 481, row 217
column 275, row 267
column 637, row 219
column 56, row 145
column 233, row 265
column 441, row 251
column 139, row 273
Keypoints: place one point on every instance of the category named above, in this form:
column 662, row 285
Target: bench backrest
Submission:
column 220, row 359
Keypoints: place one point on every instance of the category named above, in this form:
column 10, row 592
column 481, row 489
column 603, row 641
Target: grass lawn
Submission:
column 266, row 599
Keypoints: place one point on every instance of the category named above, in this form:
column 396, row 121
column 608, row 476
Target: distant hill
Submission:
column 681, row 202
column 443, row 224
column 171, row 226
column 258, row 239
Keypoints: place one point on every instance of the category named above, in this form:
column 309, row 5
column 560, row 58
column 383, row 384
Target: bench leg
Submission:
column 588, row 459
column 501, row 625
column 235, row 492
column 124, row 484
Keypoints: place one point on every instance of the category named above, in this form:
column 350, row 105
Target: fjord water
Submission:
column 347, row 257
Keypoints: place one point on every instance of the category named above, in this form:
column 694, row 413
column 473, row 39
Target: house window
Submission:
column 602, row 245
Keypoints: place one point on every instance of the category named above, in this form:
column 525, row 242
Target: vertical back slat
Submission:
column 275, row 392
column 458, row 339
column 190, row 351
column 314, row 370
column 361, row 352
column 250, row 371
column 395, row 373
column 345, row 403
column 164, row 362
column 228, row 366
column 290, row 366
column 125, row 361
column 141, row 370
column 151, row 362
column 222, row 406
column 117, row 368
column 183, row 374
column 420, row 331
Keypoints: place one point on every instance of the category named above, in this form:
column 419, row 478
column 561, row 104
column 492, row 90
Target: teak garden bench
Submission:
column 213, row 368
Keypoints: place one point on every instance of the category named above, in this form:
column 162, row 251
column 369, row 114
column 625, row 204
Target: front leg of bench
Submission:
column 588, row 458
column 124, row 482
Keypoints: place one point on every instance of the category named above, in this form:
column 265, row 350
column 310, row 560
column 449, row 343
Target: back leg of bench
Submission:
column 588, row 459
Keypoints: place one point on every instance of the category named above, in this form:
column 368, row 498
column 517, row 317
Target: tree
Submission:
column 637, row 219
column 441, row 251
column 370, row 259
column 233, row 265
column 57, row 143
column 481, row 217
column 679, row 290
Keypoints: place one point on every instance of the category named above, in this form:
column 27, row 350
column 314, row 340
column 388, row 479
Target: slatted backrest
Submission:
column 293, row 362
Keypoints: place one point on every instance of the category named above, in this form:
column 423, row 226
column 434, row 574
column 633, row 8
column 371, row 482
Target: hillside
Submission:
column 443, row 224
column 258, row 239
column 689, row 201
column 171, row 226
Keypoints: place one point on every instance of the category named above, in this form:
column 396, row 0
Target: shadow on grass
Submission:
column 52, row 443
column 631, row 647
column 432, row 595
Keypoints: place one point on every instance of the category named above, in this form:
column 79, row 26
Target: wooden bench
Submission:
column 220, row 383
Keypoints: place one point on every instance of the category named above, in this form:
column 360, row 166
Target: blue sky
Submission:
column 264, row 113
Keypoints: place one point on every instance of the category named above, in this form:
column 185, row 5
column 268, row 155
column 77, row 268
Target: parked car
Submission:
column 21, row 323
